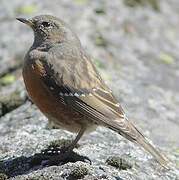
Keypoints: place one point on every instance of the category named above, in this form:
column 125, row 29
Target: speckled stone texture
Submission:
column 136, row 51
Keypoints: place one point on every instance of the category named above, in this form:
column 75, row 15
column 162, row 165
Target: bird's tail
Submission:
column 153, row 151
column 128, row 130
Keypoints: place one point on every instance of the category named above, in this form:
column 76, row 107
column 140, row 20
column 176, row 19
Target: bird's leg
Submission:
column 75, row 141
column 68, row 153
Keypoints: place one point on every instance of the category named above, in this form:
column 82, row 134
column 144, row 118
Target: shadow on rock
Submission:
column 47, row 157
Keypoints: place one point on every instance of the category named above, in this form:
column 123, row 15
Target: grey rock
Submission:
column 11, row 97
column 137, row 54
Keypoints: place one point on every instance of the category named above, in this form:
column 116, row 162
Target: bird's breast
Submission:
column 49, row 104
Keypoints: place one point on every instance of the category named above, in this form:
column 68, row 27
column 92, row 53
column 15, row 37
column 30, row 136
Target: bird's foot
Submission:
column 62, row 156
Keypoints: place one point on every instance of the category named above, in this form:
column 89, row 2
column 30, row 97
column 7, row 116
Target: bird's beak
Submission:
column 26, row 21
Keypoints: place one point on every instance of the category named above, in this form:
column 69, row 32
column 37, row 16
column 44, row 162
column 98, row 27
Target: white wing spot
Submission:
column 76, row 94
column 61, row 94
column 71, row 94
column 52, row 88
column 117, row 105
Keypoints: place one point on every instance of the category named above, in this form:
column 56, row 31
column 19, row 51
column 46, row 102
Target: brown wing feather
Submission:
column 93, row 99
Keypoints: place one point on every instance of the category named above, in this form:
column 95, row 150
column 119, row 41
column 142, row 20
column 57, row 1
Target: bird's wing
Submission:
column 93, row 99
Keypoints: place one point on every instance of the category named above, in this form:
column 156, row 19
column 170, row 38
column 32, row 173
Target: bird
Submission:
column 63, row 82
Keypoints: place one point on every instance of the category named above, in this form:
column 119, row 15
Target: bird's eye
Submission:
column 46, row 24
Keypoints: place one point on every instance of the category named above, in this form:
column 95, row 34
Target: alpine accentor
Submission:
column 63, row 82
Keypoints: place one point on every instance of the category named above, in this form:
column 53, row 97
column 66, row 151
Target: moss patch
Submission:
column 81, row 2
column 78, row 172
column 133, row 3
column 7, row 79
column 100, row 11
column 27, row 9
column 166, row 58
column 100, row 41
column 119, row 163
column 99, row 64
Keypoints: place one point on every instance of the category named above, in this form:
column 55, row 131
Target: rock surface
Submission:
column 136, row 51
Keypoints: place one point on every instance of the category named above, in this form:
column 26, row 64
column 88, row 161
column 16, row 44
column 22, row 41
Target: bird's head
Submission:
column 49, row 28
